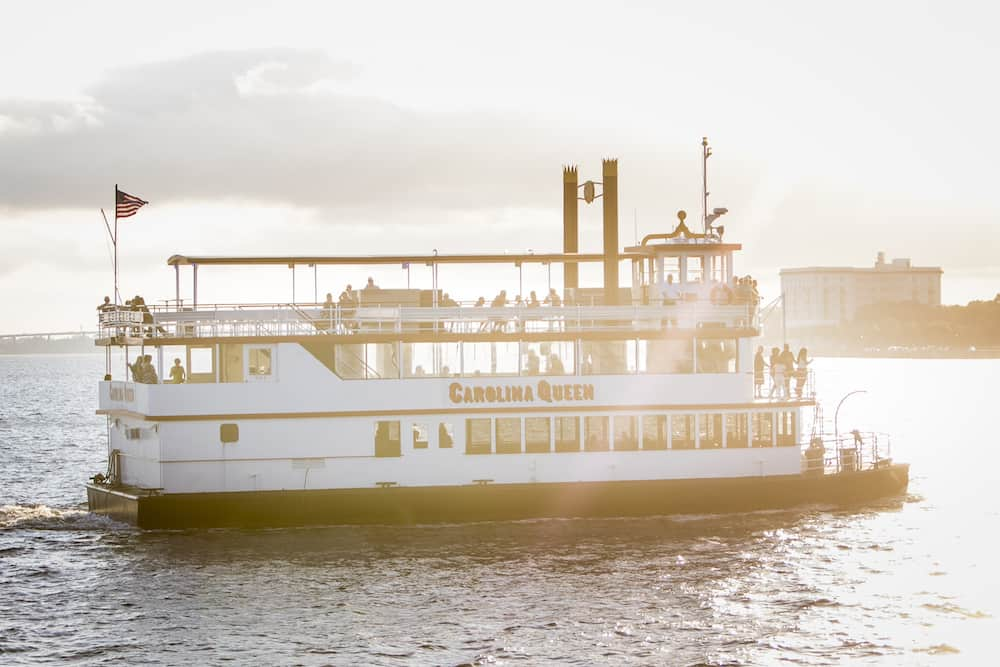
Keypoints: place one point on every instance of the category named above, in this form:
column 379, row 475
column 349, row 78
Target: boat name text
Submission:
column 547, row 392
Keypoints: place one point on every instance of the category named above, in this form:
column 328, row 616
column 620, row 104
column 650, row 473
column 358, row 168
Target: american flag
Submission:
column 126, row 205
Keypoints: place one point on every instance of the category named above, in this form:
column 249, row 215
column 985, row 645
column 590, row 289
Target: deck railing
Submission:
column 853, row 452
column 285, row 319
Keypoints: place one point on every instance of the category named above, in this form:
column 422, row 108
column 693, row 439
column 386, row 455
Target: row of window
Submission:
column 371, row 361
column 598, row 433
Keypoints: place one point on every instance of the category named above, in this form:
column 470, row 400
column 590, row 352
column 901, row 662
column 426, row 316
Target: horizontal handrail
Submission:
column 853, row 452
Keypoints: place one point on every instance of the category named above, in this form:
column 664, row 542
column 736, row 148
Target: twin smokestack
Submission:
column 571, row 226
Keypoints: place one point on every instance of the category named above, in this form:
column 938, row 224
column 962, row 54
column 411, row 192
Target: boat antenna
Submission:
column 706, row 152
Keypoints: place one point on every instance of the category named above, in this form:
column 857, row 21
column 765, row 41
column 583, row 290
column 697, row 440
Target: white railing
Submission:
column 283, row 319
column 853, row 452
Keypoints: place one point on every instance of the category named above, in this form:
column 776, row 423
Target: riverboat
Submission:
column 402, row 406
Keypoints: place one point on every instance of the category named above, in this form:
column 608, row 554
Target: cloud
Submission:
column 264, row 126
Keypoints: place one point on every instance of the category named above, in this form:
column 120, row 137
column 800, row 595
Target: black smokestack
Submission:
column 610, row 177
column 571, row 218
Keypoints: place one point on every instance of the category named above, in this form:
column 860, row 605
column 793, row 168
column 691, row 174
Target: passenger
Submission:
column 776, row 366
column 151, row 377
column 533, row 301
column 371, row 284
column 556, row 365
column 553, row 298
column 758, row 372
column 445, row 371
column 137, row 368
column 788, row 361
column 348, row 303
column 139, row 304
column 329, row 313
column 534, row 363
column 418, row 372
column 177, row 375
column 499, row 302
column 671, row 293
column 107, row 305
column 801, row 371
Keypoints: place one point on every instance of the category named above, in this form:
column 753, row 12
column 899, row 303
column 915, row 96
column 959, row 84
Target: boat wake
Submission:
column 43, row 517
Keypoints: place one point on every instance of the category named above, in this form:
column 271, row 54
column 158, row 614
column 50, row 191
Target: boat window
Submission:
column 421, row 435
column 666, row 356
column 446, row 435
column 736, row 431
column 682, row 431
column 478, row 436
column 709, row 431
column 259, row 362
column 201, row 363
column 763, row 429
column 170, row 353
column 350, row 362
column 508, row 435
column 567, row 434
column 495, row 358
column 548, row 358
column 449, row 359
column 716, row 355
column 380, row 361
column 611, row 357
column 387, row 438
column 654, row 432
column 626, row 432
column 595, row 434
column 231, row 362
column 537, row 436
column 419, row 359
column 695, row 273
column 786, row 429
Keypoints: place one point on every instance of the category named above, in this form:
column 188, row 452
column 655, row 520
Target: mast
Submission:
column 706, row 152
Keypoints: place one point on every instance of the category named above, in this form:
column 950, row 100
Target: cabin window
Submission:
column 496, row 358
column 387, row 439
column 666, row 356
column 446, row 435
column 567, row 434
column 736, row 431
column 626, row 433
column 786, row 429
column 537, row 435
column 478, row 436
column 682, row 431
column 715, row 355
column 379, row 360
column 418, row 359
column 230, row 362
column 654, row 432
column 595, row 434
column 259, row 362
column 201, row 363
column 763, row 429
column 709, row 431
column 607, row 357
column 508, row 435
column 349, row 362
column 421, row 436
column 548, row 358
column 170, row 354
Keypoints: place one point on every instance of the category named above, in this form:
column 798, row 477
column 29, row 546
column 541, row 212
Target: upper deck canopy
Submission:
column 359, row 260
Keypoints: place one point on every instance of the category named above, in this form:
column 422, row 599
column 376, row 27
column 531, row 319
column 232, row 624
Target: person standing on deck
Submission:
column 787, row 360
column 758, row 372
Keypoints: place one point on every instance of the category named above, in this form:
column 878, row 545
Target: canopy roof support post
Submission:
column 177, row 285
column 194, row 295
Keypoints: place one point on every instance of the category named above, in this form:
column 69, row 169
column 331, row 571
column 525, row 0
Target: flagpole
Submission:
column 115, row 243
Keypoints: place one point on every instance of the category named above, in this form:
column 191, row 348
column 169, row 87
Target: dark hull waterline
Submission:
column 492, row 502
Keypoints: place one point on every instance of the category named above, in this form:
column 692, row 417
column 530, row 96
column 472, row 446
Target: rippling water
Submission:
column 908, row 581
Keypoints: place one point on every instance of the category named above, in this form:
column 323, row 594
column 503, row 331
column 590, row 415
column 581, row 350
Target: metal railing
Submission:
column 286, row 319
column 854, row 452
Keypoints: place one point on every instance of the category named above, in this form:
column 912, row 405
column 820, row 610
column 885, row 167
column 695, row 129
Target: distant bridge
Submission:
column 44, row 335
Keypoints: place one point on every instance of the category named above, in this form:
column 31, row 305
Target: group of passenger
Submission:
column 784, row 366
column 144, row 372
column 500, row 301
column 136, row 304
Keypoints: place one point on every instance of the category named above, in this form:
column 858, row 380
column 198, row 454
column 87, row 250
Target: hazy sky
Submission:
column 339, row 128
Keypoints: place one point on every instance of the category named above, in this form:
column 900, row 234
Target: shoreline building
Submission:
column 823, row 297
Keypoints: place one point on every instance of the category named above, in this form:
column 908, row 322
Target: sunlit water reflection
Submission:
column 907, row 581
